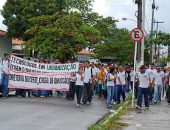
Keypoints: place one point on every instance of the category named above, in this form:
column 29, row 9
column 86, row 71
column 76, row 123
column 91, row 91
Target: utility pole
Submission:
column 140, row 25
column 151, row 35
column 157, row 27
column 143, row 28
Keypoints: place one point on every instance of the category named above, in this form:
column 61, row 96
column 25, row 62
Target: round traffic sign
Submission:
column 137, row 34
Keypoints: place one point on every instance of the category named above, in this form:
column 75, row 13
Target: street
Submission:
column 51, row 113
column 156, row 118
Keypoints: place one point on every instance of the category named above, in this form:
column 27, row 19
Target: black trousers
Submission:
column 87, row 95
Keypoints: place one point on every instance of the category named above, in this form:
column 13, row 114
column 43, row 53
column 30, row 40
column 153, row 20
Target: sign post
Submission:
column 136, row 35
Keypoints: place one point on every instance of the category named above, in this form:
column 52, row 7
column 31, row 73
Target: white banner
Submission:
column 26, row 74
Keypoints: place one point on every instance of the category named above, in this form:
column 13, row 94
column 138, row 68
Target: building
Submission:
column 85, row 55
column 16, row 46
column 5, row 44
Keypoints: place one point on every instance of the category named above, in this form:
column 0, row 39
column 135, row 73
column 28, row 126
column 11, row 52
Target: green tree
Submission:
column 59, row 36
column 17, row 13
column 118, row 45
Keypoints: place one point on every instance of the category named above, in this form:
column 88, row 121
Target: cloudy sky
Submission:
column 126, row 8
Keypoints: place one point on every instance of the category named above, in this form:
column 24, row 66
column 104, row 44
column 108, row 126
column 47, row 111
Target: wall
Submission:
column 5, row 45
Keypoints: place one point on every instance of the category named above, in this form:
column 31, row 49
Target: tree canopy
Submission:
column 61, row 28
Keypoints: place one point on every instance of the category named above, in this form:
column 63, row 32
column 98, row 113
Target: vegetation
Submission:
column 111, row 120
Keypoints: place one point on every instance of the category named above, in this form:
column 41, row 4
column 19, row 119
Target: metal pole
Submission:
column 143, row 28
column 157, row 27
column 133, row 91
column 151, row 35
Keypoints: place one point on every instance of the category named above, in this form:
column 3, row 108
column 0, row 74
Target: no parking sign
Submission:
column 137, row 34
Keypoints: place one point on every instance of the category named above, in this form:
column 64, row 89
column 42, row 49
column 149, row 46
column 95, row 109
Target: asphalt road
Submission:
column 156, row 118
column 51, row 113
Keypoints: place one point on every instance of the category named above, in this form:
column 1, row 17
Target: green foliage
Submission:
column 18, row 12
column 118, row 45
column 162, row 39
column 59, row 36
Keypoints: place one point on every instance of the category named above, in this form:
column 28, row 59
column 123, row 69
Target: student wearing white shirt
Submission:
column 87, row 96
column 143, row 80
column 159, row 81
column 110, row 87
column 5, row 63
column 121, row 85
column 79, row 85
column 94, row 81
column 151, row 73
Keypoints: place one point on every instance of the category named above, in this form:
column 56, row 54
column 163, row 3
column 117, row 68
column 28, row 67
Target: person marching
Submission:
column 101, row 78
column 88, row 74
column 79, row 85
column 143, row 80
column 110, row 87
column 121, row 88
column 159, row 80
column 5, row 64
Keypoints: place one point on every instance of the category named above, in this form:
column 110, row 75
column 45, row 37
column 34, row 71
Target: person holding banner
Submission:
column 5, row 64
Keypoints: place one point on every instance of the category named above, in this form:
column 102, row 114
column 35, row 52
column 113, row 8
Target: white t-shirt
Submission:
column 132, row 75
column 143, row 79
column 87, row 75
column 151, row 74
column 122, row 77
column 79, row 81
column 158, row 78
column 110, row 76
column 95, row 71
column 5, row 66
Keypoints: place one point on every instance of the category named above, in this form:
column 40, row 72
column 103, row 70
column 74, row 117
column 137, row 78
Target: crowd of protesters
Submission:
column 109, row 82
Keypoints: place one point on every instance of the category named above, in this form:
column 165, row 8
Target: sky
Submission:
column 126, row 8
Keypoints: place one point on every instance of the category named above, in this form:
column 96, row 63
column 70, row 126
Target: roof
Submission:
column 85, row 52
column 2, row 33
column 16, row 41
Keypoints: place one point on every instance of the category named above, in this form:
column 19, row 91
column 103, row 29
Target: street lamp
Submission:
column 125, row 19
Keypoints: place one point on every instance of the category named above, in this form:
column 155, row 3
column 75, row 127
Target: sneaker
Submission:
column 42, row 96
column 88, row 103
column 3, row 97
column 138, row 107
column 78, row 105
column 147, row 108
column 114, row 103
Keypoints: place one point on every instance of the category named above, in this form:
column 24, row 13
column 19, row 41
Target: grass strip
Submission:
column 110, row 120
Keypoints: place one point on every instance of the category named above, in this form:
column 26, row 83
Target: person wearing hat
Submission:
column 159, row 80
column 143, row 80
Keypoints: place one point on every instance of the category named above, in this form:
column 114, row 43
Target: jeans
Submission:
column 157, row 93
column 131, row 85
column 4, row 84
column 141, row 92
column 110, row 94
column 87, row 97
column 79, row 91
column 121, row 90
column 100, row 90
column 43, row 93
column 128, row 86
column 151, row 91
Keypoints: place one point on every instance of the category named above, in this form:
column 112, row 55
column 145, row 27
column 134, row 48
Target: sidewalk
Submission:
column 156, row 118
